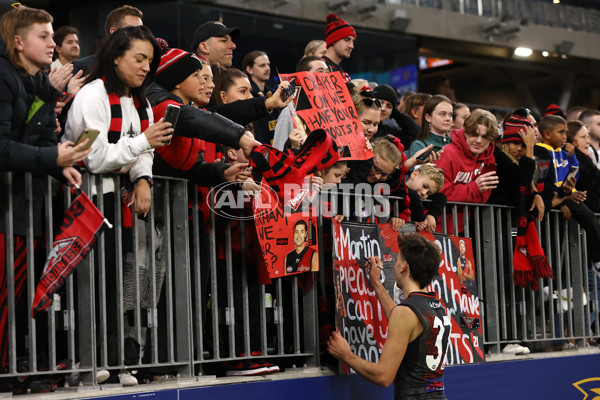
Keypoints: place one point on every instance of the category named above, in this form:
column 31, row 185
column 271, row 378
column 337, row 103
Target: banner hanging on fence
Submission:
column 323, row 101
column 359, row 317
column 77, row 235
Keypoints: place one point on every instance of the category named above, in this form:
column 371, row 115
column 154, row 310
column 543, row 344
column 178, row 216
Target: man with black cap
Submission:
column 214, row 42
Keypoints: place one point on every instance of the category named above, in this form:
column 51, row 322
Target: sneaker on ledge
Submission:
column 102, row 375
column 245, row 368
column 127, row 379
column 516, row 349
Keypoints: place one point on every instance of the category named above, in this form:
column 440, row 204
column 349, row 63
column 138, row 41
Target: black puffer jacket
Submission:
column 197, row 123
column 27, row 139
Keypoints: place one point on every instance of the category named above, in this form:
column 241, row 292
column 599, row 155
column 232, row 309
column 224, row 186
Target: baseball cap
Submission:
column 213, row 29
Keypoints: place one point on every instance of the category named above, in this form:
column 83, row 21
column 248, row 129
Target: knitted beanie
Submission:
column 337, row 29
column 554, row 109
column 387, row 93
column 512, row 127
column 175, row 66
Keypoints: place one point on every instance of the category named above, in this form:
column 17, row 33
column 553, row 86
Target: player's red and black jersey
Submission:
column 299, row 262
column 420, row 375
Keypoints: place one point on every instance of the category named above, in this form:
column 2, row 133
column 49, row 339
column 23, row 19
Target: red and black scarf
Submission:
column 529, row 261
column 116, row 116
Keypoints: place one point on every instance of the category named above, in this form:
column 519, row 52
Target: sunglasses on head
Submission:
column 367, row 101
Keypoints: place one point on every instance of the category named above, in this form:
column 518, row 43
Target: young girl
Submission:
column 460, row 112
column 516, row 167
column 368, row 110
column 436, row 124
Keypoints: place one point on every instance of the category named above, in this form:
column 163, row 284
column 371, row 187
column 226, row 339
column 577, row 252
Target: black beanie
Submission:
column 175, row 67
column 387, row 93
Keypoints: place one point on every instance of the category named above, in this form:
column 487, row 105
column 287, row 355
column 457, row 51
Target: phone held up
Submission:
column 171, row 115
column 573, row 169
column 289, row 92
column 423, row 157
column 90, row 134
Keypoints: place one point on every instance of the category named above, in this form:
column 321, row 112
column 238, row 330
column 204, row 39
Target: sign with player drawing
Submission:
column 359, row 316
column 288, row 242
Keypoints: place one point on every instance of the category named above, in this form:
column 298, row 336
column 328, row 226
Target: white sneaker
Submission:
column 127, row 379
column 516, row 349
column 102, row 375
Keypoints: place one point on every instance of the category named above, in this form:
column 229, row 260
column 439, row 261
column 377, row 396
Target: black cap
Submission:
column 386, row 92
column 213, row 29
column 8, row 5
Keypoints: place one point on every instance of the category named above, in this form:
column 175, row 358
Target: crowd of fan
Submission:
column 424, row 146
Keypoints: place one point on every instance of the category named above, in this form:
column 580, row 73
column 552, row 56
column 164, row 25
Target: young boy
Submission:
column 418, row 329
column 424, row 182
column 550, row 154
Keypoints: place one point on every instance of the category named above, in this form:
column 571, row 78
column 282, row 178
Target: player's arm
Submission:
column 402, row 323
column 374, row 273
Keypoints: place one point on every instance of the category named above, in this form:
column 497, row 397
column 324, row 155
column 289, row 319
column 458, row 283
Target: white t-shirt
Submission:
column 132, row 153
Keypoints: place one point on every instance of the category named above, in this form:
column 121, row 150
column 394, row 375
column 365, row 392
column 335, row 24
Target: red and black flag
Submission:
column 77, row 235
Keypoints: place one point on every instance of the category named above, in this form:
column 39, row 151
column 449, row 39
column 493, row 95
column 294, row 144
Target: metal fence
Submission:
column 179, row 284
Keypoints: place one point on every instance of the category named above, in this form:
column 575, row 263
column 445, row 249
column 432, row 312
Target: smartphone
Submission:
column 171, row 115
column 572, row 172
column 65, row 97
column 425, row 156
column 88, row 133
column 287, row 93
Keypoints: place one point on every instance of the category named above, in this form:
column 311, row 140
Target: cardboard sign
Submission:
column 359, row 317
column 323, row 101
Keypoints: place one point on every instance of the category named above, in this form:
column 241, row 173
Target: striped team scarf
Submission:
column 116, row 116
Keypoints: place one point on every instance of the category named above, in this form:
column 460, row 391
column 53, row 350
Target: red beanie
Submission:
column 175, row 66
column 337, row 29
column 554, row 109
column 512, row 127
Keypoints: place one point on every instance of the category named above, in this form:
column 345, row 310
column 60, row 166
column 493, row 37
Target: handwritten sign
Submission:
column 288, row 242
column 323, row 101
column 359, row 316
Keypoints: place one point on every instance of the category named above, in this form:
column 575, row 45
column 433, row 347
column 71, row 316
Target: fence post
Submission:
column 489, row 296
column 181, row 274
column 578, row 264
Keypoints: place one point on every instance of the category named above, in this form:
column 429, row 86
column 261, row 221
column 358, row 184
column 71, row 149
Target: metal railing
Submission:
column 193, row 309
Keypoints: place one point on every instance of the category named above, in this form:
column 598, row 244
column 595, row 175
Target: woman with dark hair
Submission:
column 589, row 174
column 113, row 101
column 234, row 86
column 435, row 125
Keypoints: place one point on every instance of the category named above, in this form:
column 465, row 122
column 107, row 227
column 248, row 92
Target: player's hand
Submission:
column 374, row 268
column 337, row 346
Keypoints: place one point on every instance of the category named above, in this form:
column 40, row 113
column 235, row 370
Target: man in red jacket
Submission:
column 469, row 165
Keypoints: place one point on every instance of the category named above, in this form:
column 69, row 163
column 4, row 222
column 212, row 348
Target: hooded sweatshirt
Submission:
column 461, row 168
